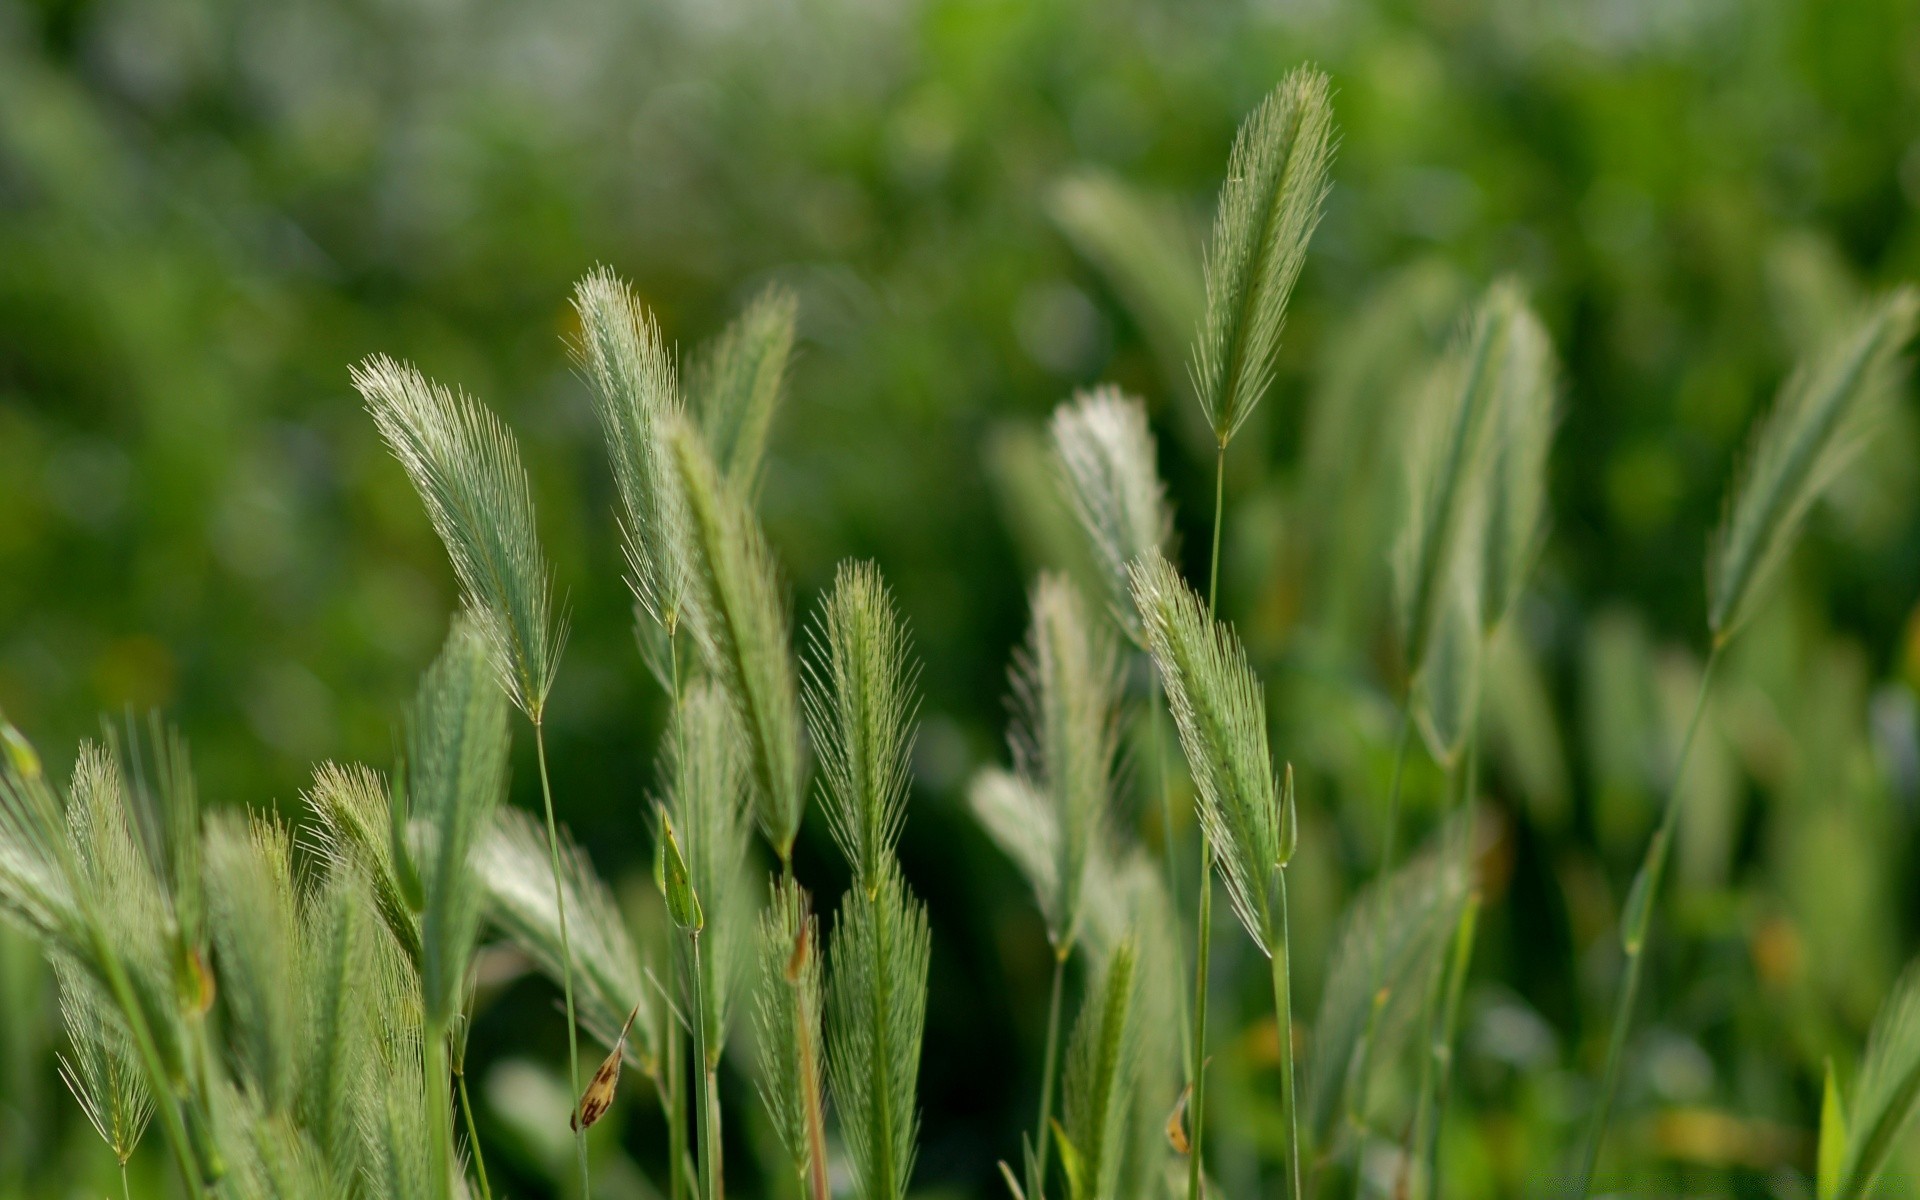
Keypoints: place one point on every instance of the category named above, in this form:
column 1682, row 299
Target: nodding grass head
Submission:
column 736, row 384
column 1105, row 453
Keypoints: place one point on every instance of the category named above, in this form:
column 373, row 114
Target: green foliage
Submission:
column 1886, row 1095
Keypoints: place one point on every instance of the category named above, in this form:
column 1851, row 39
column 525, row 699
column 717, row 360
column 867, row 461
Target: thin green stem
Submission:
column 1037, row 1182
column 1168, row 843
column 1283, row 1026
column 1634, row 921
column 566, row 952
column 473, row 1134
column 126, row 1192
column 1433, row 1021
column 705, row 1101
column 1449, row 1032
column 676, row 1112
column 1203, row 939
column 439, row 1116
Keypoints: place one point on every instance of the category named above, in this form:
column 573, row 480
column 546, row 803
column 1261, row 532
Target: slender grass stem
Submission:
column 1422, row 1135
column 1203, row 939
column 706, row 1105
column 676, row 1113
column 1283, row 1025
column 439, row 1115
column 1037, row 1186
column 1634, row 921
column 566, row 952
column 1449, row 1031
column 126, row 1192
column 473, row 1134
column 1363, row 1054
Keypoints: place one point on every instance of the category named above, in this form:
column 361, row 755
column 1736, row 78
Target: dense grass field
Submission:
column 824, row 599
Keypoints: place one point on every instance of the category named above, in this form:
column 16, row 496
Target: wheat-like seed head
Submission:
column 1824, row 411
column 1100, row 1074
column 350, row 834
column 787, row 1013
column 860, row 703
column 1105, row 453
column 1269, row 205
column 104, row 1074
column 466, row 467
column 253, row 912
column 736, row 384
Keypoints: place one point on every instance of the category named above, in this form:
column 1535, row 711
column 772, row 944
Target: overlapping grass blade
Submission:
column 876, row 1018
column 457, row 742
column 860, row 704
column 1102, row 1069
column 736, row 384
column 787, row 1020
column 741, row 626
column 1816, row 425
column 254, row 917
column 1269, row 205
column 513, row 862
column 466, row 467
column 1105, row 452
column 350, row 835
column 1888, row 1090
column 1220, row 711
column 630, row 370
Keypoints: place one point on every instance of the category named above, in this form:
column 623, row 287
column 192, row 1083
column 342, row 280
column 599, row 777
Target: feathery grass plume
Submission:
column 1017, row 815
column 1887, row 1092
column 1824, row 410
column 457, row 741
column 1101, row 1072
column 1389, row 945
column 741, row 626
column 351, row 834
column 397, row 1133
column 254, row 916
column 104, row 1074
column 163, row 813
column 1448, row 451
column 466, row 467
column 787, row 1009
column 1446, row 687
column 36, row 864
column 876, row 1018
column 736, row 384
column 1148, row 252
column 706, row 802
column 860, row 704
column 337, row 960
column 1221, row 714
column 1105, row 453
column 630, row 370
column 1269, row 205
column 1514, row 512
column 513, row 862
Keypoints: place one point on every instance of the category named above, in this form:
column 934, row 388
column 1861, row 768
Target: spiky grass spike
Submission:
column 338, row 959
column 466, row 467
column 860, row 702
column 787, row 1013
column 457, row 742
column 1825, row 408
column 736, row 385
column 104, row 1073
column 1269, row 205
column 350, row 834
column 254, row 916
column 1220, row 711
column 876, row 1018
column 1102, row 1069
column 742, row 629
column 1888, row 1090
column 513, row 862
column 1105, row 453
column 630, row 370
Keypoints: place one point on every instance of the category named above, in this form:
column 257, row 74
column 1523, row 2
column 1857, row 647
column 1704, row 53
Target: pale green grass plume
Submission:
column 737, row 383
column 630, row 370
column 352, row 834
column 513, row 863
column 1102, row 1070
column 787, row 1016
column 104, row 1072
column 1855, row 1141
column 338, row 958
column 860, row 705
column 741, row 626
column 1220, row 711
column 254, row 916
column 1824, row 411
column 876, row 1018
column 466, row 467
column 1105, row 453
column 1269, row 205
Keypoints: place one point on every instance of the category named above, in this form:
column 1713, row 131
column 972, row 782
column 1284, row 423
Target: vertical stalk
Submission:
column 676, row 1113
column 434, row 1047
column 126, row 1192
column 566, row 952
column 1441, row 992
column 705, row 1105
column 1449, row 1030
column 1363, row 1054
column 1634, row 920
column 1203, row 941
column 473, row 1133
column 1283, row 1022
column 1037, row 1184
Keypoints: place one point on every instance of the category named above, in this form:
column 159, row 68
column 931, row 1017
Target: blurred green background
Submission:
column 210, row 208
